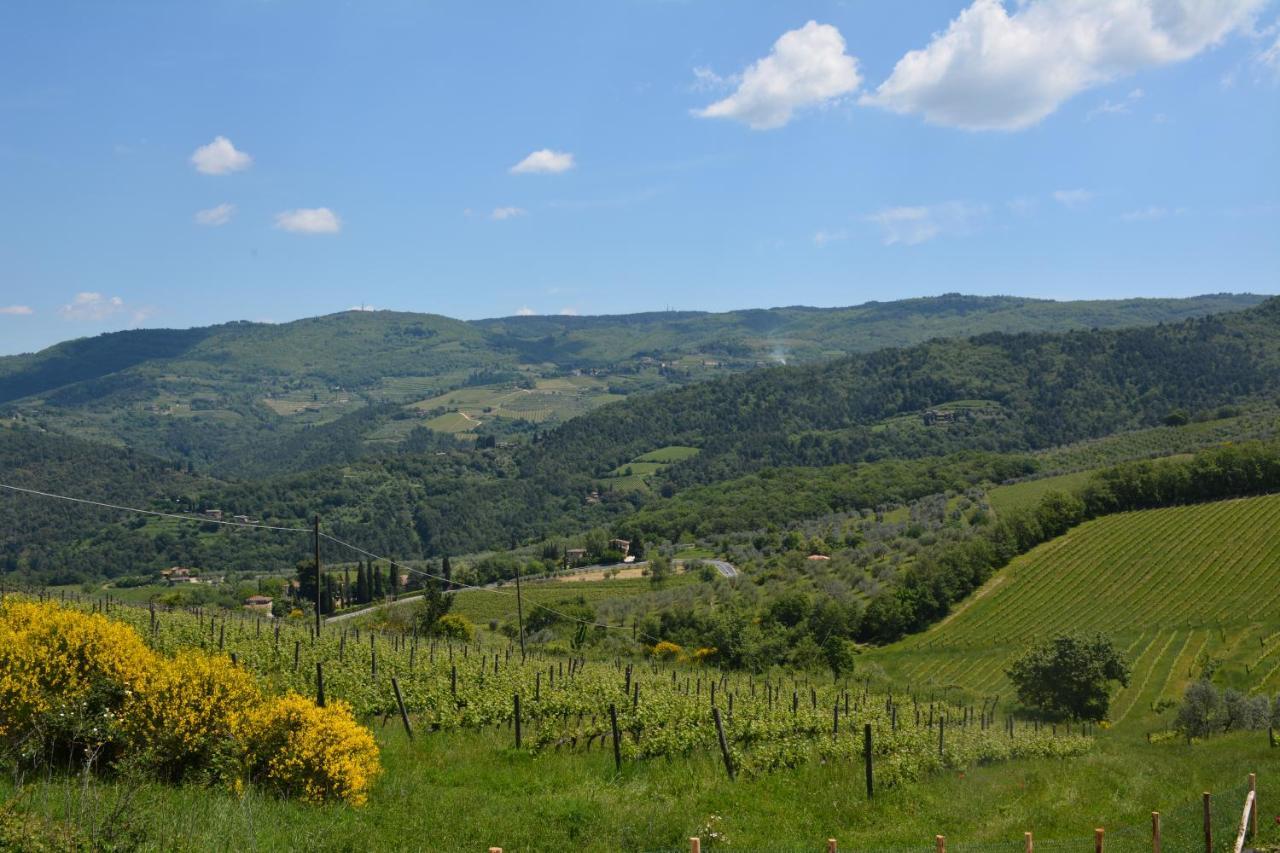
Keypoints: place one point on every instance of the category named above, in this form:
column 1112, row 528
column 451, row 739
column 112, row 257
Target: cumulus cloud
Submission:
column 525, row 311
column 568, row 311
column 1072, row 198
column 501, row 213
column 220, row 157
column 822, row 238
column 996, row 70
column 214, row 216
column 807, row 67
column 910, row 226
column 309, row 220
column 16, row 310
column 90, row 306
column 544, row 161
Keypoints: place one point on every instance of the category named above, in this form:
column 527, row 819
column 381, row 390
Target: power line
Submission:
column 178, row 516
column 334, row 539
column 559, row 613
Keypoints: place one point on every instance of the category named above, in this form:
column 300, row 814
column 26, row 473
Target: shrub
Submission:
column 455, row 626
column 192, row 713
column 64, row 676
column 310, row 752
column 664, row 650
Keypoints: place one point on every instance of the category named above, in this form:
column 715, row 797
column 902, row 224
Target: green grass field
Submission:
column 480, row 606
column 1029, row 493
column 1168, row 585
column 459, row 791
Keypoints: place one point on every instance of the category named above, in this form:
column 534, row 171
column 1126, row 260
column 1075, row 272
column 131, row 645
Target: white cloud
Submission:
column 1072, row 198
column 544, row 161
column 220, row 157
column 309, row 220
column 1121, row 107
column 706, row 80
column 1147, row 214
column 1022, row 206
column 90, row 306
column 525, row 311
column 362, row 308
column 501, row 213
column 16, row 310
column 822, row 238
column 218, row 215
column 807, row 67
column 1268, row 59
column 996, row 70
column 910, row 226
column 568, row 311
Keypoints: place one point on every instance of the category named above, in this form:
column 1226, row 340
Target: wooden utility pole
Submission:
column 315, row 536
column 520, row 610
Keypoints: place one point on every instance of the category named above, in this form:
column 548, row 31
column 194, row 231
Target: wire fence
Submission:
column 1182, row 829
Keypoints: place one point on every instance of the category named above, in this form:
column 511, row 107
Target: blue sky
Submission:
column 176, row 164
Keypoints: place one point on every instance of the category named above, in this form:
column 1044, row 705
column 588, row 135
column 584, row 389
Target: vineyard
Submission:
column 662, row 710
column 1173, row 586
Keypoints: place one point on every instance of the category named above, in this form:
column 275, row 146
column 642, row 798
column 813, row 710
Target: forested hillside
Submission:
column 996, row 393
column 230, row 399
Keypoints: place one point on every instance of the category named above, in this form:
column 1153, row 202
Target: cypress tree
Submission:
column 447, row 571
column 379, row 587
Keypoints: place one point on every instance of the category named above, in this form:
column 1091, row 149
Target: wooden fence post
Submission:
column 695, row 845
column 1155, row 832
column 1208, row 822
column 1099, row 837
column 940, row 843
column 320, row 684
column 831, row 845
column 617, row 740
column 724, row 744
column 1028, row 844
column 404, row 714
column 1253, row 816
column 516, row 711
column 866, row 755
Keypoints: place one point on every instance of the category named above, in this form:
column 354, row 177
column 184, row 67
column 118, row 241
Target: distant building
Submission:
column 213, row 514
column 260, row 603
column 623, row 545
column 939, row 416
column 572, row 555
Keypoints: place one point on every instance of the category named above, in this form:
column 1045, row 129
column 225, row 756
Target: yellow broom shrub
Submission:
column 66, row 673
column 311, row 752
column 192, row 712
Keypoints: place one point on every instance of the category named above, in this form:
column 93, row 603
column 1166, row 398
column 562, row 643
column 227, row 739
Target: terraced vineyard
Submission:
column 1170, row 585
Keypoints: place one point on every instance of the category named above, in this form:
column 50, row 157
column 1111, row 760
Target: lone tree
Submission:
column 1070, row 676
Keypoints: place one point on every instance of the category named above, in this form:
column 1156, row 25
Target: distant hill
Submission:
column 244, row 397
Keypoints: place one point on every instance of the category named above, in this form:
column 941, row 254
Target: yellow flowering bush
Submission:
column 192, row 712
column 666, row 650
column 70, row 681
column 312, row 752
column 64, row 675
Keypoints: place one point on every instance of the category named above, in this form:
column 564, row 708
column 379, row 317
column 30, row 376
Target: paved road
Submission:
column 726, row 569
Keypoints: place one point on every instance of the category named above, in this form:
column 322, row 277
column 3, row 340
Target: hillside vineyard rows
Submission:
column 663, row 709
column 1172, row 585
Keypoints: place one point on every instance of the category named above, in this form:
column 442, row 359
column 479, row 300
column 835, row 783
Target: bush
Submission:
column 192, row 714
column 64, row 677
column 456, row 627
column 1069, row 676
column 310, row 752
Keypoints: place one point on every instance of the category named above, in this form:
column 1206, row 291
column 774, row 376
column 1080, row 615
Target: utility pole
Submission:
column 315, row 535
column 520, row 610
